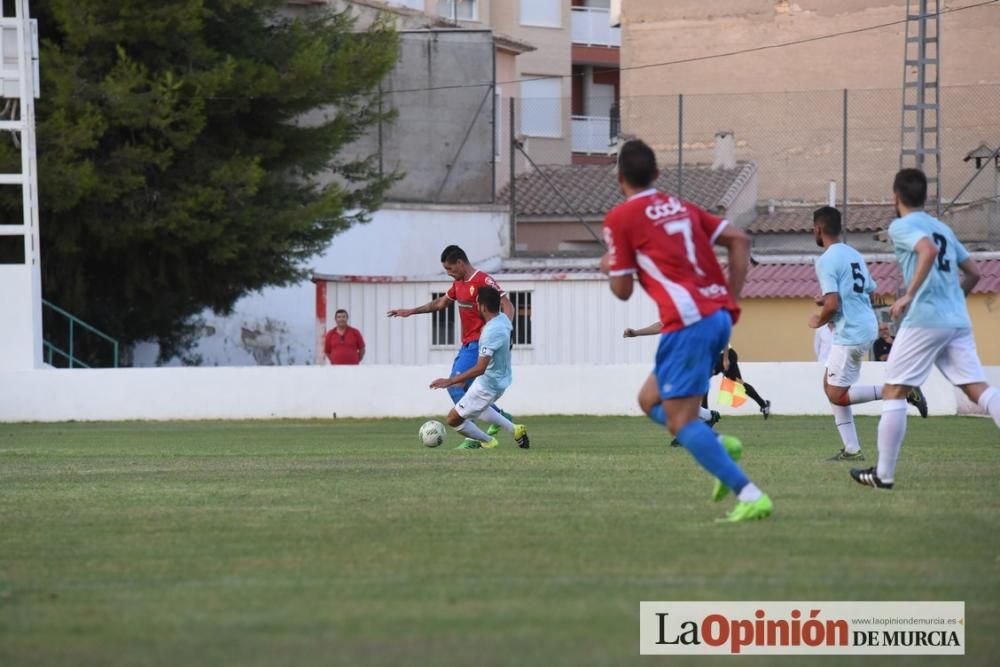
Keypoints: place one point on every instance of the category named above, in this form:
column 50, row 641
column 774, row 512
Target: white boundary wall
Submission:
column 384, row 391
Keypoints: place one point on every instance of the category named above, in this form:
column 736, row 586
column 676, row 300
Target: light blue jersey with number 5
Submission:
column 841, row 270
column 940, row 303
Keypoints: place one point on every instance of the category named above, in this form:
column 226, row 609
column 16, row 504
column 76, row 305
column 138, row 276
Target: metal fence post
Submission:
column 680, row 145
column 513, row 177
column 846, row 232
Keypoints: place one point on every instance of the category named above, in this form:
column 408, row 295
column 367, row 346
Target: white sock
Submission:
column 749, row 493
column 891, row 429
column 469, row 429
column 864, row 393
column 704, row 414
column 843, row 416
column 491, row 416
column 990, row 401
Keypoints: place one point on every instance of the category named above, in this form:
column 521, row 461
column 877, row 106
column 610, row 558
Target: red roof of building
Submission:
column 794, row 281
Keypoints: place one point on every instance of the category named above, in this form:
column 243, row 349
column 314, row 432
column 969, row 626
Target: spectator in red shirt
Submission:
column 344, row 344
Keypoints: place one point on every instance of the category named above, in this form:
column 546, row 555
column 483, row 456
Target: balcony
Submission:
column 591, row 134
column 591, row 26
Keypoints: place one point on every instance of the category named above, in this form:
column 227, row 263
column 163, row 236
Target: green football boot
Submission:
column 494, row 429
column 758, row 509
column 735, row 450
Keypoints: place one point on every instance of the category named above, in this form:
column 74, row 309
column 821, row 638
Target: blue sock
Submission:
column 658, row 415
column 706, row 449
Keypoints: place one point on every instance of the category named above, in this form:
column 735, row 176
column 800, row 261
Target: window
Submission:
column 412, row 4
column 458, row 10
column 544, row 13
column 541, row 106
column 443, row 323
column 522, row 317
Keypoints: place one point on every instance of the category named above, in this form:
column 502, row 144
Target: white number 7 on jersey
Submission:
column 683, row 227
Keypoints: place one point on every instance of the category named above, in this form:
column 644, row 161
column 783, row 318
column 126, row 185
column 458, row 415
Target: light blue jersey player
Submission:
column 935, row 329
column 494, row 342
column 841, row 270
column 846, row 287
column 489, row 377
column 940, row 301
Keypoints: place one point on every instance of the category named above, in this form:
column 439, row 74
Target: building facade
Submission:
column 786, row 105
column 567, row 87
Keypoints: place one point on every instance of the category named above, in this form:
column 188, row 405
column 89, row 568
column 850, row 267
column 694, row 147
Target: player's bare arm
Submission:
column 621, row 286
column 737, row 245
column 440, row 303
column 462, row 378
column 926, row 254
column 651, row 330
column 831, row 304
column 507, row 308
column 970, row 275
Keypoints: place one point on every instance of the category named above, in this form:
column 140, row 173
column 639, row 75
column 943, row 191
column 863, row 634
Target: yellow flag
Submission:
column 732, row 393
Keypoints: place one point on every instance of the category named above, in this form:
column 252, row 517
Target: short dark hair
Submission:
column 453, row 254
column 828, row 218
column 637, row 163
column 489, row 297
column 339, row 311
column 910, row 185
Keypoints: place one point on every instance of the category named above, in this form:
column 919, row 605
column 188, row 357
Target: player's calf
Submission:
column 454, row 419
column 987, row 397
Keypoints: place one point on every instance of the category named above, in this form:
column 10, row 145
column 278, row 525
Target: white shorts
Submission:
column 916, row 350
column 476, row 400
column 843, row 365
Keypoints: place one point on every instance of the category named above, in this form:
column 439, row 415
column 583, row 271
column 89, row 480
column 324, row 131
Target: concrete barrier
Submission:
column 51, row 395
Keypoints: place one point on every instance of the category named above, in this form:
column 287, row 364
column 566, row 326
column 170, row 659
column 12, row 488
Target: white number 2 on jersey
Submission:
column 683, row 227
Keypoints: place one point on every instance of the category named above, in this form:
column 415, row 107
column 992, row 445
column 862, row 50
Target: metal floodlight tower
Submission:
column 20, row 276
column 920, row 142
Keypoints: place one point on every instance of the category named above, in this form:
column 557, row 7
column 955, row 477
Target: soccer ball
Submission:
column 432, row 433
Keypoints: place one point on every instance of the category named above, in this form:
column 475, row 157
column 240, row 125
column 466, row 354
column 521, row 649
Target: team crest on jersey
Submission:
column 472, row 290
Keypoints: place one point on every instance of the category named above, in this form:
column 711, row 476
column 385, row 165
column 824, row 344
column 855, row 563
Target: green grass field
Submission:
column 349, row 543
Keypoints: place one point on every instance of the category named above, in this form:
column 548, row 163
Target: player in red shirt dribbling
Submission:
column 467, row 281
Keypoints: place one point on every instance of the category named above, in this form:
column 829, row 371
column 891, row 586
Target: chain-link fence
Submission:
column 799, row 142
column 802, row 140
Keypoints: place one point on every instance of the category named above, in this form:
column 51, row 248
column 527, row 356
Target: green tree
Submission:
column 179, row 148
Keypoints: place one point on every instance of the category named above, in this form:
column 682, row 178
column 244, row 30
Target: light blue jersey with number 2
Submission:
column 841, row 270
column 940, row 303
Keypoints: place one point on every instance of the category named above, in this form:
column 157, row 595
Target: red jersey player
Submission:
column 668, row 243
column 467, row 281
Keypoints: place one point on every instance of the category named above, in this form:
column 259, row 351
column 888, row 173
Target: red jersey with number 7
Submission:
column 463, row 292
column 668, row 242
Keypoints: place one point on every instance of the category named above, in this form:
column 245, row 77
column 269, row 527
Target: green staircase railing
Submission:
column 74, row 323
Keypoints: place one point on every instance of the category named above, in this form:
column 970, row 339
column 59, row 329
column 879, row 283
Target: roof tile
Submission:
column 794, row 281
column 860, row 218
column 593, row 188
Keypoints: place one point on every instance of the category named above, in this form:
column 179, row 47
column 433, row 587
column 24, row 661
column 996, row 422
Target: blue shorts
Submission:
column 685, row 358
column 467, row 357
